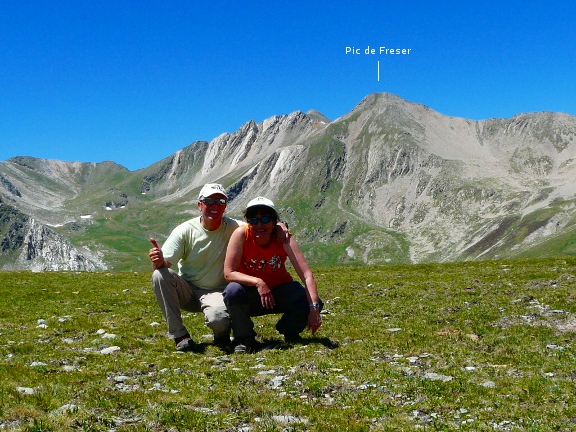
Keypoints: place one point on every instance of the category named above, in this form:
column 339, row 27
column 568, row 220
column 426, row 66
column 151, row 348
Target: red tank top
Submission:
column 266, row 263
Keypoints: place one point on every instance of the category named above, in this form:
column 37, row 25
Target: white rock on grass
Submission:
column 365, row 386
column 437, row 377
column 121, row 378
column 205, row 410
column 110, row 350
column 287, row 419
column 258, row 366
column 68, row 408
column 554, row 347
column 277, row 381
column 26, row 390
column 108, row 336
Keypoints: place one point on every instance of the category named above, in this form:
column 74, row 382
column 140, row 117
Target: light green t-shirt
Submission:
column 200, row 253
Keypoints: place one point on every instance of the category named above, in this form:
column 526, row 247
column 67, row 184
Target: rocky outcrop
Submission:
column 10, row 188
column 30, row 245
column 43, row 249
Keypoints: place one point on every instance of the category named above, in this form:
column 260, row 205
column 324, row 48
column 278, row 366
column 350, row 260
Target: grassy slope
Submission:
column 469, row 346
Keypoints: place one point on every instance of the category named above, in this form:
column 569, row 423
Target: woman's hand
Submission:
column 265, row 294
column 314, row 320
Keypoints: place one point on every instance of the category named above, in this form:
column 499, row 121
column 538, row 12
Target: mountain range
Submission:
column 390, row 182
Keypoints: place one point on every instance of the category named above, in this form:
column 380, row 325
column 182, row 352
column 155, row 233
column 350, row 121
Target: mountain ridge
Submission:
column 391, row 181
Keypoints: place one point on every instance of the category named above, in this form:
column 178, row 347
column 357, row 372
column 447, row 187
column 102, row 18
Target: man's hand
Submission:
column 156, row 256
column 281, row 233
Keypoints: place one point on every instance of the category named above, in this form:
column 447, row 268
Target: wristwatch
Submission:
column 315, row 305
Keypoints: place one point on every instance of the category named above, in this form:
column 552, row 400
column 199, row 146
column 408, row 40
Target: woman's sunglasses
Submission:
column 264, row 219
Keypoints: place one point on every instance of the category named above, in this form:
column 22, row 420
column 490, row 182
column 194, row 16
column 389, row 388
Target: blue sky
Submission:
column 134, row 81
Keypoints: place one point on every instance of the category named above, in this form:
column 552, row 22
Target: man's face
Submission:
column 213, row 211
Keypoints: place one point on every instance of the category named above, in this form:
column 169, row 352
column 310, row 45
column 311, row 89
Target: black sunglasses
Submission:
column 264, row 219
column 210, row 201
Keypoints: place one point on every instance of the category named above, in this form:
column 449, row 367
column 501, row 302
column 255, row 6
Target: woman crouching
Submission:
column 261, row 285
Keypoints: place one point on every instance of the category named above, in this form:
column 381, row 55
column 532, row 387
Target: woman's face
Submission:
column 261, row 226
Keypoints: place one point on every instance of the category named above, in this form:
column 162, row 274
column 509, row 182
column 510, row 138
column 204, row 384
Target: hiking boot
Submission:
column 292, row 338
column 222, row 341
column 186, row 344
column 247, row 345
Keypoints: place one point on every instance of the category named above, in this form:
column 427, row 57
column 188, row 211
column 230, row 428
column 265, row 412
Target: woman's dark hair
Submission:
column 262, row 210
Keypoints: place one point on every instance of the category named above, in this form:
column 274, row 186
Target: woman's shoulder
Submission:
column 238, row 233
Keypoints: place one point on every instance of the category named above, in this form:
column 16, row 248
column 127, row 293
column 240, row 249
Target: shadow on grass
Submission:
column 267, row 344
column 280, row 344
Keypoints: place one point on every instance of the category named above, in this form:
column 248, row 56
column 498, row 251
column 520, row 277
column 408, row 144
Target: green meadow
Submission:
column 471, row 346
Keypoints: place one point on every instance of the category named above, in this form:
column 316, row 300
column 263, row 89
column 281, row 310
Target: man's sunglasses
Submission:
column 210, row 201
column 264, row 219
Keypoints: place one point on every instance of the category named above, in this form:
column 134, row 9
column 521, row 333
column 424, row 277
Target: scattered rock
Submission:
column 288, row 419
column 277, row 381
column 108, row 336
column 437, row 377
column 121, row 378
column 554, row 347
column 68, row 408
column 110, row 350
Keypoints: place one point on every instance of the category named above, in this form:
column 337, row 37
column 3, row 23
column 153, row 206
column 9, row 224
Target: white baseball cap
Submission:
column 210, row 189
column 261, row 201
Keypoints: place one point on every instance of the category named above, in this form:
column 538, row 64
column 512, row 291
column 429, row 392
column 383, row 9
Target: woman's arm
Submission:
column 303, row 269
column 232, row 266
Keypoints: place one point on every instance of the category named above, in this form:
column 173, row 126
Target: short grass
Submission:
column 478, row 346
